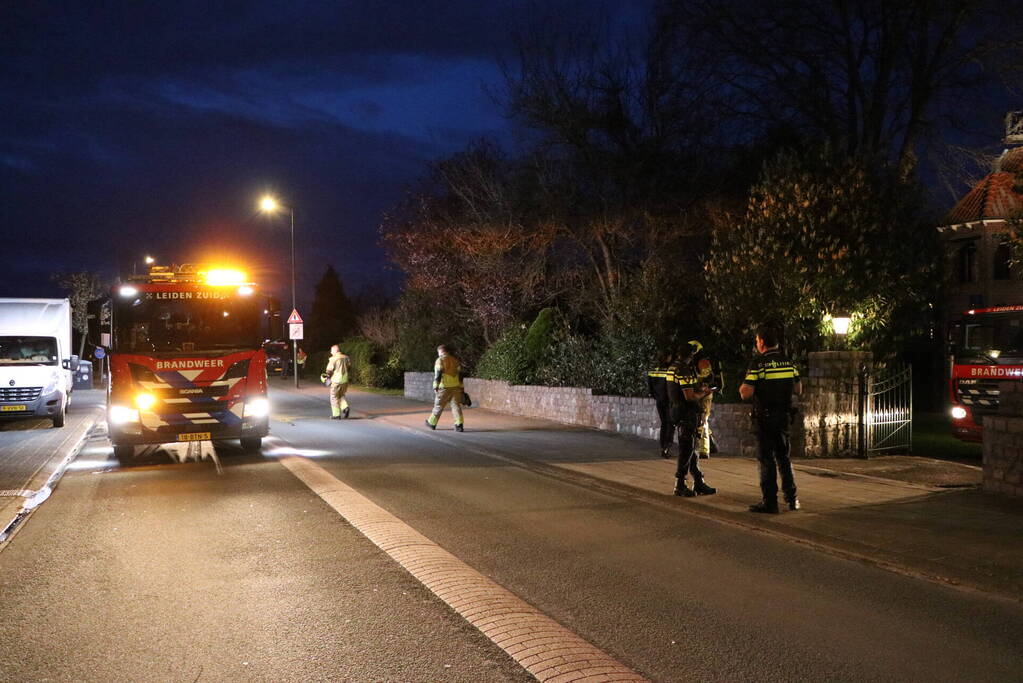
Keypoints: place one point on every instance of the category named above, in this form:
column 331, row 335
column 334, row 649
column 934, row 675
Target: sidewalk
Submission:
column 930, row 521
column 32, row 453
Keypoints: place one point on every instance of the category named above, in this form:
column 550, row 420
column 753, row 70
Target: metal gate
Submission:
column 886, row 411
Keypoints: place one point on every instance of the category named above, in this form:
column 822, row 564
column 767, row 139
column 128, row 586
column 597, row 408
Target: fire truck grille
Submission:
column 18, row 394
column 980, row 396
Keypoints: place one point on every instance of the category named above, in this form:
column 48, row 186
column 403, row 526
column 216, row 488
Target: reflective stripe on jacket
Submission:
column 447, row 373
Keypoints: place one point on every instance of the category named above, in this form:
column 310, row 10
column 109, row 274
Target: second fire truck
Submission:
column 987, row 348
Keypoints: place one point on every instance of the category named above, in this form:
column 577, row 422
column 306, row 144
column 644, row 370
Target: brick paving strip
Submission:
column 542, row 646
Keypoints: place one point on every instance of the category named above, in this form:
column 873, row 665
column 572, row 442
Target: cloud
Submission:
column 133, row 126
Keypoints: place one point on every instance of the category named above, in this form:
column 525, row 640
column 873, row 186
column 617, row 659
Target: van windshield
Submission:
column 28, row 351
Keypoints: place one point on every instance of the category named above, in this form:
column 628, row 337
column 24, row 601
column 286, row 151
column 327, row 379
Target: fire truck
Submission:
column 987, row 349
column 186, row 360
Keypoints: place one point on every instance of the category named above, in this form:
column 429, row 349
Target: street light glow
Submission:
column 268, row 204
column 150, row 260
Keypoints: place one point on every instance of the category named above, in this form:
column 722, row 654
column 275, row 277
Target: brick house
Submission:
column 974, row 234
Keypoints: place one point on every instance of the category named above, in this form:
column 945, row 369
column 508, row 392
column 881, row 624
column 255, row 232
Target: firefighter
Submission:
column 337, row 374
column 771, row 381
column 657, row 383
column 447, row 385
column 705, row 444
column 685, row 393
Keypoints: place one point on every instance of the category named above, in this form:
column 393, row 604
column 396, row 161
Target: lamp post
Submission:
column 269, row 204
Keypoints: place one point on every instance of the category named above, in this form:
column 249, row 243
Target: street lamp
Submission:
column 149, row 260
column 840, row 324
column 269, row 204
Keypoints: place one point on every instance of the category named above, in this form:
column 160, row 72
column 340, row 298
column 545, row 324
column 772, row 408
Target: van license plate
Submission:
column 197, row 436
column 13, row 409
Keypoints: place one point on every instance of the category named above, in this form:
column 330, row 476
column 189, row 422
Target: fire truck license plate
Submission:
column 13, row 409
column 197, row 436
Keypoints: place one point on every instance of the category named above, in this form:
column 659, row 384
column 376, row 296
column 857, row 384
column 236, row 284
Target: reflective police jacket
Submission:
column 680, row 378
column 657, row 383
column 773, row 377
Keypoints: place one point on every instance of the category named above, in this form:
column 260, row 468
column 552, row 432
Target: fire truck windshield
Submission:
column 145, row 325
column 995, row 335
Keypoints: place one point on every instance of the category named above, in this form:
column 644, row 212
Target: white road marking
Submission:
column 542, row 646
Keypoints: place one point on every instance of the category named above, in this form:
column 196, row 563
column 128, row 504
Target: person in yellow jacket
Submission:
column 337, row 372
column 447, row 384
column 705, row 444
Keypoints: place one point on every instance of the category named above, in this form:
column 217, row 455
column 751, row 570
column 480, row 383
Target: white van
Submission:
column 36, row 365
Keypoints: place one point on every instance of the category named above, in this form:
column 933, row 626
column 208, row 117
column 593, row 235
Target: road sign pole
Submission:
column 295, row 333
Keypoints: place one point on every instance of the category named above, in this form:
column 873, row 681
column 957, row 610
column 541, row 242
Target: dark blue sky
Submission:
column 153, row 127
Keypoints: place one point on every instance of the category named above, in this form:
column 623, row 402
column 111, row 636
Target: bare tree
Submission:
column 869, row 76
column 82, row 287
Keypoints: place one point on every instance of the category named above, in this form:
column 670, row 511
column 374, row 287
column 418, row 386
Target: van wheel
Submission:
column 58, row 419
column 124, row 454
column 251, row 444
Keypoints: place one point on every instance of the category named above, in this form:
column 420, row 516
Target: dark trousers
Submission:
column 688, row 460
column 773, row 438
column 667, row 434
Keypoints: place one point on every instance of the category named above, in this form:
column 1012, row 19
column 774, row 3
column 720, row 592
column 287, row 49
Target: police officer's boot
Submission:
column 682, row 490
column 665, row 452
column 700, row 488
column 765, row 506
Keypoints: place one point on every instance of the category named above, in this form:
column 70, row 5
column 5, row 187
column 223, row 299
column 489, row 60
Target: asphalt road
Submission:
column 176, row 572
column 27, row 445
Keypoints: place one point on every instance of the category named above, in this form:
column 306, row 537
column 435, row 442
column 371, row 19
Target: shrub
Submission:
column 506, row 359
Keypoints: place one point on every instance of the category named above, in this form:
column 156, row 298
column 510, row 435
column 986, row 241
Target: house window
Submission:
column 968, row 262
column 1000, row 267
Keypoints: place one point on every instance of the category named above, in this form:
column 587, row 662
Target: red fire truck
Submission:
column 987, row 348
column 186, row 360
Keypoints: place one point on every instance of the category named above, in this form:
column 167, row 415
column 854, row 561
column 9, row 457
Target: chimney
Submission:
column 1014, row 128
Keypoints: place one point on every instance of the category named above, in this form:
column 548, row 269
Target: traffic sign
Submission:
column 295, row 331
column 99, row 352
column 294, row 318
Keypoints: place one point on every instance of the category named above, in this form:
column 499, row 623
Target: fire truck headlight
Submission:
column 120, row 415
column 245, row 290
column 257, row 407
column 127, row 291
column 144, row 401
column 958, row 412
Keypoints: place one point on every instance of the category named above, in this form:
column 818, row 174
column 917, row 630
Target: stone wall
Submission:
column 827, row 428
column 1003, row 443
column 575, row 406
column 828, row 407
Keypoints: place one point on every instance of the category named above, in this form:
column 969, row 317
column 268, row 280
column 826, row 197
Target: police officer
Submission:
column 771, row 381
column 685, row 392
column 705, row 444
column 657, row 383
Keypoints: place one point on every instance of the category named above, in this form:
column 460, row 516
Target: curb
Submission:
column 40, row 489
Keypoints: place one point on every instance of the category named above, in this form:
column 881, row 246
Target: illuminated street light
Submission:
column 269, row 204
column 147, row 259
